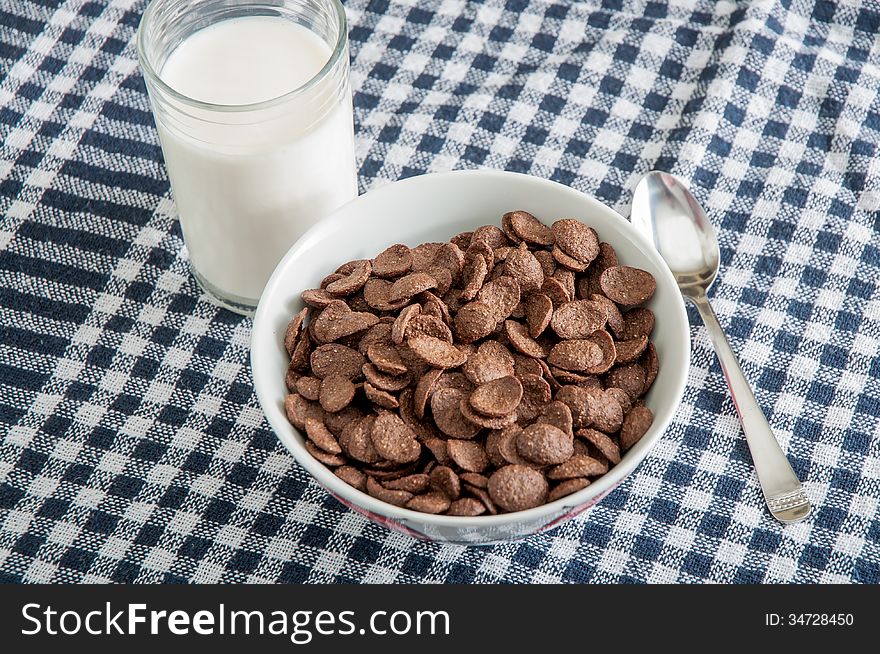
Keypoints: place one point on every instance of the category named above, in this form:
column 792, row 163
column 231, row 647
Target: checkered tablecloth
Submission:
column 132, row 447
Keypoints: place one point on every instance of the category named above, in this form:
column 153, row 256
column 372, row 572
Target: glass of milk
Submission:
column 253, row 108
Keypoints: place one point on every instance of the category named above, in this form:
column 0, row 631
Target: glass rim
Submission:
column 153, row 76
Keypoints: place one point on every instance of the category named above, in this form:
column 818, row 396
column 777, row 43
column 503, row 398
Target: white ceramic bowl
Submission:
column 435, row 208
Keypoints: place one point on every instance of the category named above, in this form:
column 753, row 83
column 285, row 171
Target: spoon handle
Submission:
column 782, row 490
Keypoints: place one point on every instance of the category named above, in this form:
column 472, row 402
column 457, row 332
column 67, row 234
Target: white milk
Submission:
column 246, row 191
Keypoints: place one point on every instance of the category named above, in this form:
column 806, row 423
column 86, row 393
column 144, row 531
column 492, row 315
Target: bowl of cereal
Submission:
column 471, row 356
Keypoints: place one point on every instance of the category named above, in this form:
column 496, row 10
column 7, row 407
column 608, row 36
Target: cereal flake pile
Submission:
column 493, row 373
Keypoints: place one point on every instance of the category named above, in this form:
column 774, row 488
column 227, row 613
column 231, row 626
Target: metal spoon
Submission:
column 665, row 211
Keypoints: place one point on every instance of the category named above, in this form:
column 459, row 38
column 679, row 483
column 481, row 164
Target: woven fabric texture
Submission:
column 132, row 446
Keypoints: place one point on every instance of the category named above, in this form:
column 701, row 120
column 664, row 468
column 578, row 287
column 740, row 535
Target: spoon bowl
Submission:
column 668, row 213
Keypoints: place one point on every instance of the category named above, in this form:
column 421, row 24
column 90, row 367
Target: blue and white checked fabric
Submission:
column 132, row 447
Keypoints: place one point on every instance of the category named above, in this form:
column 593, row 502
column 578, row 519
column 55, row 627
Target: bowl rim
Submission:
column 262, row 329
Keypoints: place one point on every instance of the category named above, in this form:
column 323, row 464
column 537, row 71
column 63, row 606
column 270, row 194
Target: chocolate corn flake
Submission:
column 524, row 365
column 516, row 488
column 380, row 398
column 627, row 286
column 484, row 421
column 352, row 476
column 446, row 410
column 395, row 497
column 385, row 381
column 466, row 506
column 298, row 409
column 637, row 322
column 522, row 266
column 467, row 455
column 502, row 295
column 318, row 298
column 437, row 353
column 475, row 479
column 556, row 291
column 579, row 465
column 629, row 351
column 528, row 228
column 630, row 377
column 424, row 389
column 336, row 359
column 328, row 459
column 622, row 397
column 576, row 355
column 578, row 319
column 426, row 324
column 558, row 414
column 321, row 436
column 576, row 239
column 490, row 235
column 518, row 334
column 651, row 365
column 353, row 281
column 429, row 503
column 492, row 360
column 309, row 387
column 605, row 343
column 473, row 275
column 378, row 334
column 386, row 358
column 336, row 392
column 393, row 440
column 293, row 330
column 410, row 285
column 544, row 444
column 498, row 397
column 567, row 261
column 401, row 323
column 377, row 295
column 423, row 255
column 635, row 425
column 393, row 261
column 603, row 442
column 411, row 483
column 444, row 479
column 337, row 321
column 475, row 320
column 566, row 488
column 536, row 394
column 539, row 311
